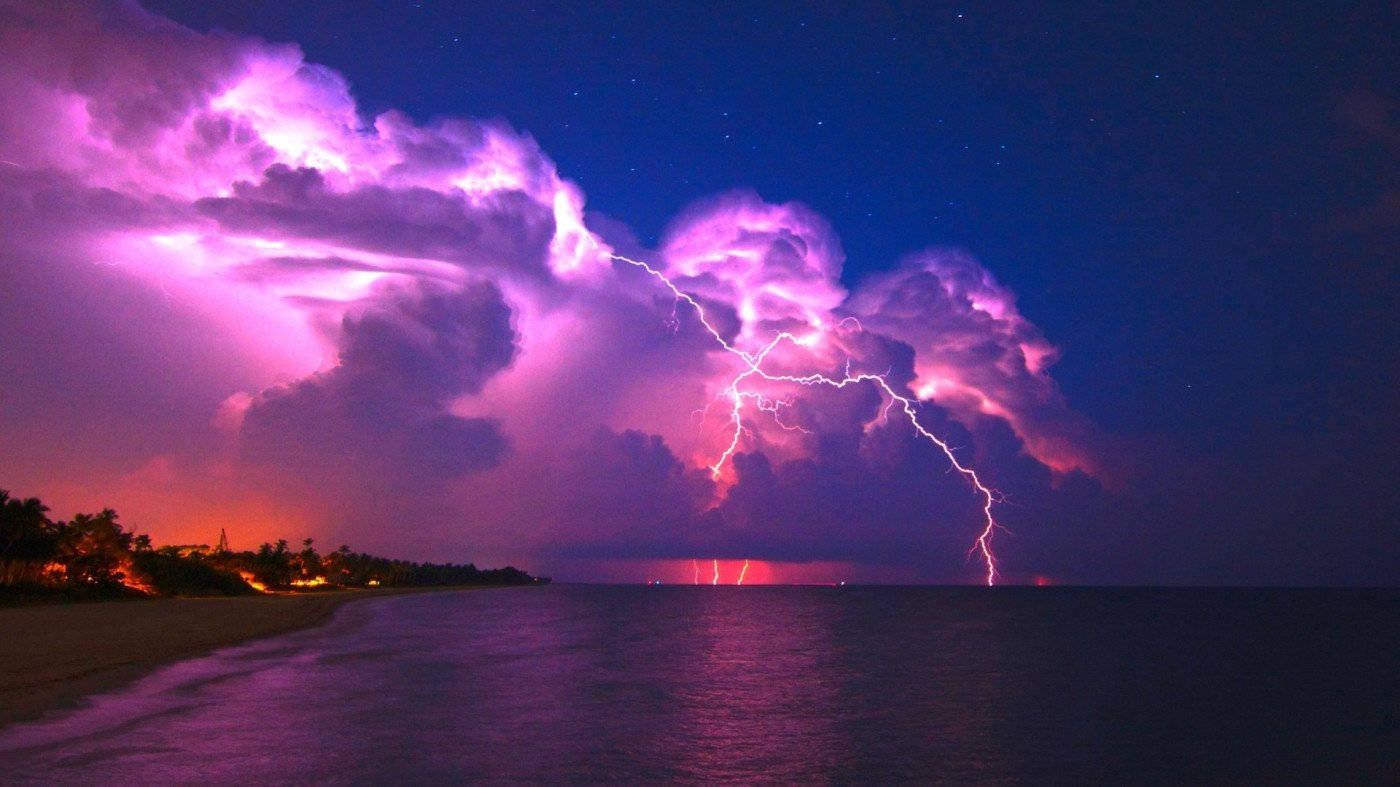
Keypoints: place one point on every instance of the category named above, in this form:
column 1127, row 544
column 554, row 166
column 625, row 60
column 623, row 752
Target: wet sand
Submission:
column 52, row 655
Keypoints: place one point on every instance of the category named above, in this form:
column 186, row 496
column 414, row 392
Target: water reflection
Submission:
column 756, row 684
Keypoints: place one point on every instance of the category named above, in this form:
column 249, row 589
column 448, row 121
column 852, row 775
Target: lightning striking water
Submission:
column 715, row 580
column 742, row 572
column 695, row 564
column 754, row 369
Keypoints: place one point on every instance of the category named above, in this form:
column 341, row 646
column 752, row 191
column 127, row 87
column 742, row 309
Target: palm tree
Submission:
column 28, row 540
column 308, row 562
column 95, row 549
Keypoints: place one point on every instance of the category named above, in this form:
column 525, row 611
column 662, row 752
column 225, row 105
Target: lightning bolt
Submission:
column 695, row 565
column 774, row 408
column 754, row 369
column 742, row 572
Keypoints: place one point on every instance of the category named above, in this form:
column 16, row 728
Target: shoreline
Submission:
column 54, row 655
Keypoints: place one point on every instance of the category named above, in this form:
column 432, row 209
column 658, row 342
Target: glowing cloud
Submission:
column 418, row 327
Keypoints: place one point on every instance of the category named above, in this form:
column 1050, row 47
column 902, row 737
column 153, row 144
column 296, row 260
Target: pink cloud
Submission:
column 408, row 334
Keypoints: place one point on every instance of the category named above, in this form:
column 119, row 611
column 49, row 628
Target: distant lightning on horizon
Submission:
column 754, row 368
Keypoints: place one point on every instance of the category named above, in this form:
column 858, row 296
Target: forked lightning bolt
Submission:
column 754, row 364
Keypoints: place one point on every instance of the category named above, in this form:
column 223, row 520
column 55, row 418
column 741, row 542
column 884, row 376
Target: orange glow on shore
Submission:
column 252, row 582
column 139, row 586
column 55, row 573
column 314, row 582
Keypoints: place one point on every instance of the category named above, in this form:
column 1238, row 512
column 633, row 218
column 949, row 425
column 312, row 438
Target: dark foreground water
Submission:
column 632, row 684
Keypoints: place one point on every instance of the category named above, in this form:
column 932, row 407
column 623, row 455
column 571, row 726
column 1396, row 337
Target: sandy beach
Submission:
column 52, row 655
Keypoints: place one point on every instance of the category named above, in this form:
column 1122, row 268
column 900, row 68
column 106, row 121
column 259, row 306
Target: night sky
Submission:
column 1198, row 207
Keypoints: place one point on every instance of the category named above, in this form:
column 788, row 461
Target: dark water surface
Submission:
column 633, row 684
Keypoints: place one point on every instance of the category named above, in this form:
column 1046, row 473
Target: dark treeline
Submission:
column 92, row 556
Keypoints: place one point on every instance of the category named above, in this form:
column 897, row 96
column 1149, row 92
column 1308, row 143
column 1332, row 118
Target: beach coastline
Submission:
column 54, row 655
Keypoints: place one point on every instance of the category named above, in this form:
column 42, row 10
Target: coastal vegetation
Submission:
column 92, row 556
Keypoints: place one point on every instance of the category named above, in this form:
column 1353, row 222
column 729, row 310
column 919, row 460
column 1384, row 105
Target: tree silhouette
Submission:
column 308, row 563
column 95, row 550
column 93, row 556
column 28, row 540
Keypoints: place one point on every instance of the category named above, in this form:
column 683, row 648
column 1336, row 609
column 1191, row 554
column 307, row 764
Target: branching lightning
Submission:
column 754, row 369
column 774, row 408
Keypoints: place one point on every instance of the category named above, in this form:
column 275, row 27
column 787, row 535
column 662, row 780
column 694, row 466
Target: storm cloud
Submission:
column 413, row 334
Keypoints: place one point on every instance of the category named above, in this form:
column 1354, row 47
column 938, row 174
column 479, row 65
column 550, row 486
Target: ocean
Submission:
column 580, row 683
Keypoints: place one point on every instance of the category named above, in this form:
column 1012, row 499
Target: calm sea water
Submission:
column 634, row 684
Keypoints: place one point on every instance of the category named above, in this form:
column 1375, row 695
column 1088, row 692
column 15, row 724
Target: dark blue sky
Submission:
column 1198, row 205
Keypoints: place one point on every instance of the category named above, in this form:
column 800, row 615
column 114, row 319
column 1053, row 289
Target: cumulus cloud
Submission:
column 411, row 329
column 975, row 353
column 776, row 266
column 413, row 223
column 383, row 410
